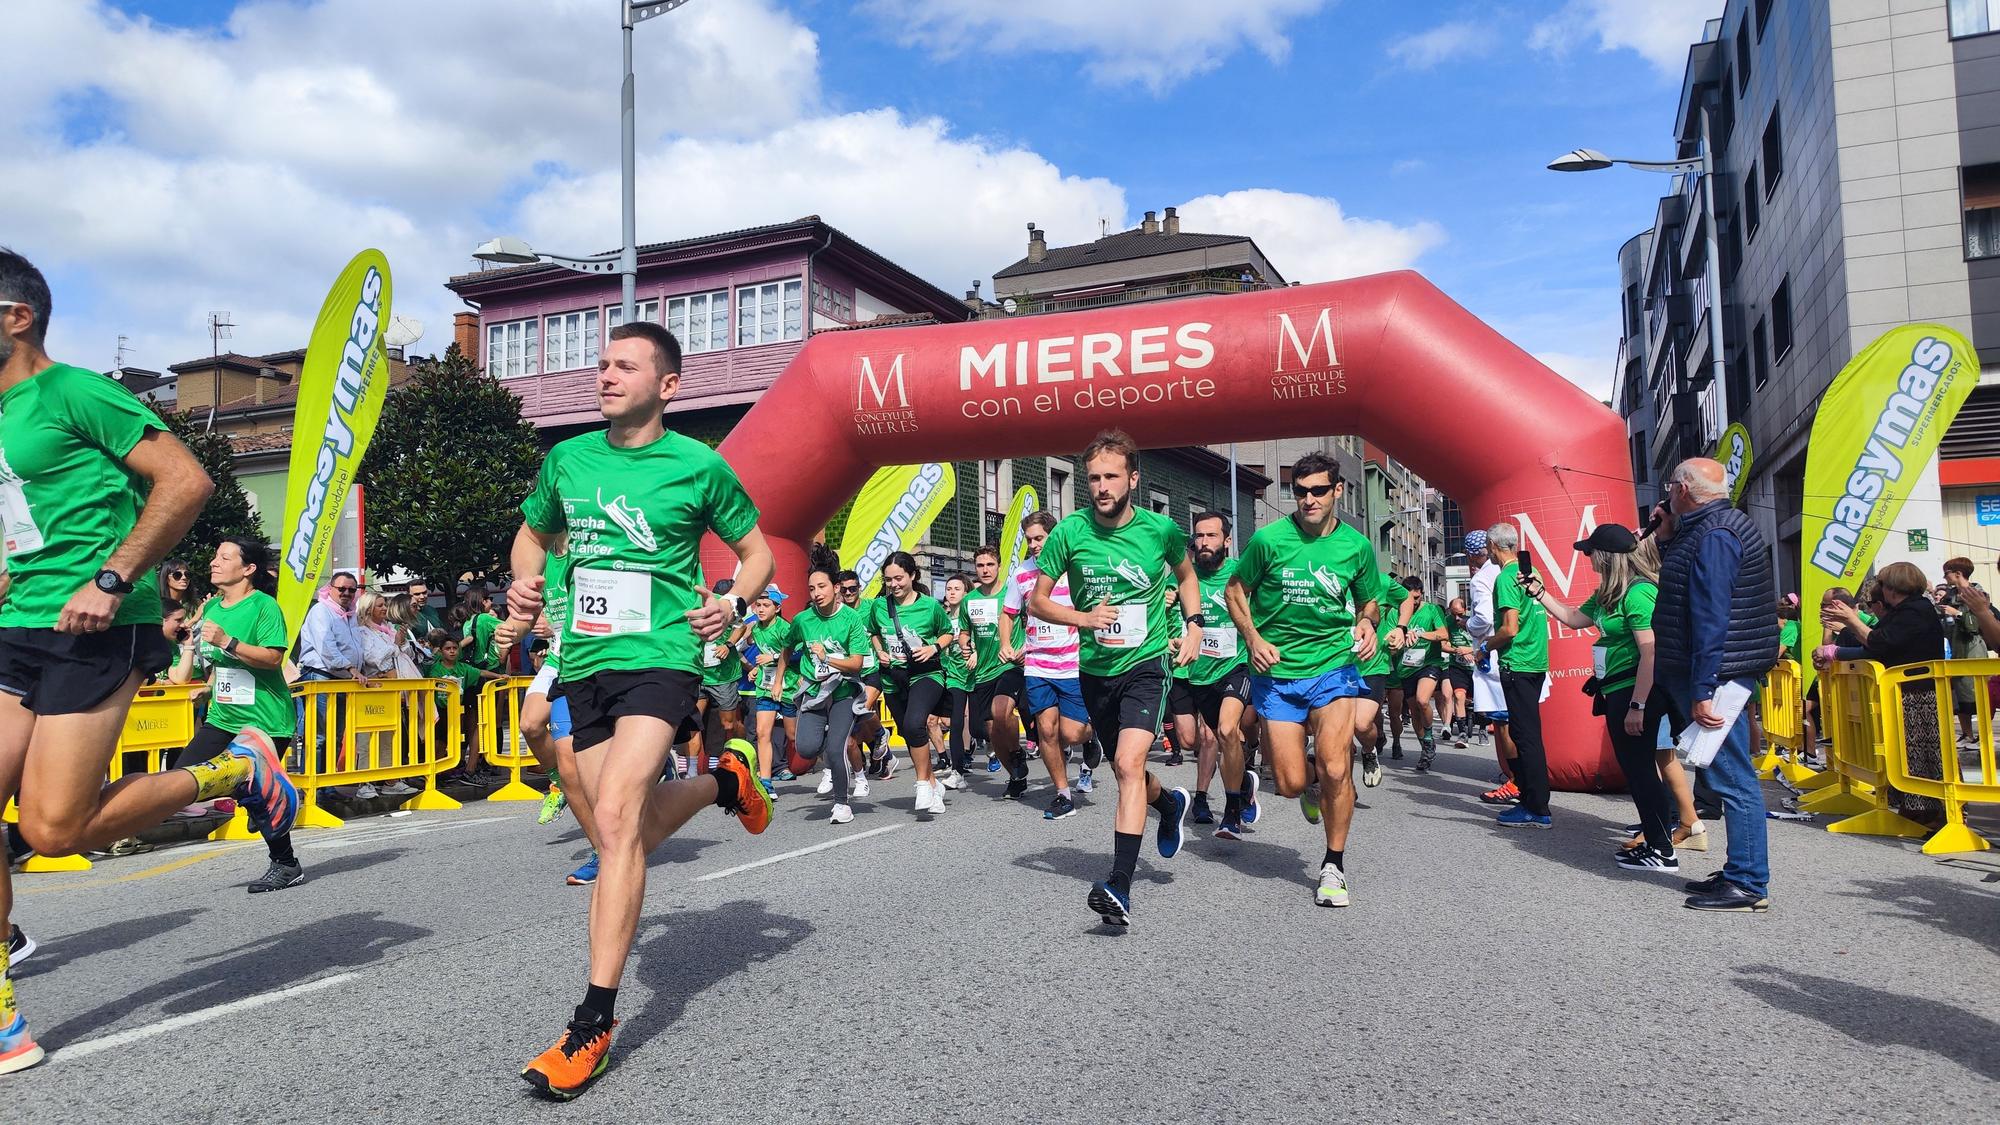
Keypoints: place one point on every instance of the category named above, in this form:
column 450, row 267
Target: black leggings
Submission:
column 912, row 711
column 1637, row 758
column 958, row 708
column 210, row 741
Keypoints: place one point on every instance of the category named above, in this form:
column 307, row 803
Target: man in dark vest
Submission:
column 1714, row 626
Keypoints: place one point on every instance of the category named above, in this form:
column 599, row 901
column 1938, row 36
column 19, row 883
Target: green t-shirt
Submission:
column 476, row 643
column 841, row 633
column 1529, row 651
column 1129, row 567
column 774, row 636
column 1389, row 596
column 67, row 499
column 635, row 519
column 469, row 679
column 1306, row 593
column 957, row 677
column 923, row 622
column 1429, row 654
column 1788, row 636
column 987, row 615
column 865, row 608
column 239, row 695
column 720, row 662
column 1615, row 656
column 1461, row 638
column 1221, row 650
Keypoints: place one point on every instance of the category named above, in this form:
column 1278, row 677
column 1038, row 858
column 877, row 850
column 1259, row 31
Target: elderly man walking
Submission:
column 1713, row 626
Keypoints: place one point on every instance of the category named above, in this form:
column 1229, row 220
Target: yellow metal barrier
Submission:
column 516, row 757
column 1951, row 788
column 1781, row 706
column 1856, row 710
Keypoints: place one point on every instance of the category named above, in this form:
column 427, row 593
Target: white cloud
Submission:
column 1310, row 238
column 1153, row 43
column 1661, row 31
column 862, row 172
column 1443, row 43
column 1591, row 372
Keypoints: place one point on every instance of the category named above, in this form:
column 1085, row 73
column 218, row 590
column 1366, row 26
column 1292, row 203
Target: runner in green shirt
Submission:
column 868, row 747
column 1422, row 663
column 93, row 494
column 1120, row 560
column 774, row 677
column 831, row 639
column 1371, row 728
column 998, row 686
column 1458, row 673
column 1621, row 610
column 1209, row 695
column 721, row 701
column 238, row 645
column 958, row 677
column 907, row 631
column 1521, row 637
column 636, row 501
column 1305, row 600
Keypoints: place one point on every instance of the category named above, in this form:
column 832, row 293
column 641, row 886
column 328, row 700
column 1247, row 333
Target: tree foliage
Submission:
column 227, row 512
column 450, row 461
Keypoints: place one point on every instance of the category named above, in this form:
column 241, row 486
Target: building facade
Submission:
column 1856, row 186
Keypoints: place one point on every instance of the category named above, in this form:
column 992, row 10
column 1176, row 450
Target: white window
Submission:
column 1973, row 17
column 834, row 303
column 1158, row 502
column 571, row 341
column 514, row 348
column 1062, row 497
column 614, row 315
column 989, row 477
column 1194, row 510
column 769, row 313
column 700, row 321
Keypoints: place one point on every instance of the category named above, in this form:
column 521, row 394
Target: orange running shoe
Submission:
column 753, row 800
column 578, row 1058
column 1508, row 794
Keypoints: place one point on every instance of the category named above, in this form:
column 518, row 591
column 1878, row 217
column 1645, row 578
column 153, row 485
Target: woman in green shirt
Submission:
column 830, row 639
column 238, row 644
column 1628, row 574
column 959, row 661
column 909, row 630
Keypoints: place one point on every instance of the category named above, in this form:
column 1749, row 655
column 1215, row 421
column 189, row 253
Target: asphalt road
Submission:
column 949, row 971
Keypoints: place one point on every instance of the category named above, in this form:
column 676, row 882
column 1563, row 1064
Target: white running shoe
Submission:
column 1332, row 886
column 841, row 815
column 951, row 779
column 825, row 782
column 859, row 786
column 397, row 789
column 365, row 792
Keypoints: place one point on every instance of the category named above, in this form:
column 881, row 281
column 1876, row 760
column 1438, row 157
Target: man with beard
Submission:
column 1213, row 691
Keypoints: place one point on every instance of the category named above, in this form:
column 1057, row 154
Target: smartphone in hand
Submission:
column 1527, row 564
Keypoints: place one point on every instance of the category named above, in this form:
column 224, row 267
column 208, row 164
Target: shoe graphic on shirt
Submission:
column 631, row 519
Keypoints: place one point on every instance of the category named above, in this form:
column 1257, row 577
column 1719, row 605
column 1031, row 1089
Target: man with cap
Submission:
column 1487, row 699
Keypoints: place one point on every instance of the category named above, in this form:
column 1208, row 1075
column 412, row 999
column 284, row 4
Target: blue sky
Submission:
column 183, row 155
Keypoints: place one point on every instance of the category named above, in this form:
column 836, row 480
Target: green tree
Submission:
column 227, row 512
column 450, row 461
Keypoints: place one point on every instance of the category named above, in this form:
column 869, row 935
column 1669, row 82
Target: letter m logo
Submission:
column 872, row 392
column 1302, row 351
column 1531, row 538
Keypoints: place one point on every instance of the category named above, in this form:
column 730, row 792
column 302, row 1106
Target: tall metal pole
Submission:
column 1232, row 496
column 628, row 259
column 1712, row 273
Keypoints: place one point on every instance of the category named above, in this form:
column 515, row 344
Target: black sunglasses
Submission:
column 345, row 589
column 1301, row 491
column 177, row 574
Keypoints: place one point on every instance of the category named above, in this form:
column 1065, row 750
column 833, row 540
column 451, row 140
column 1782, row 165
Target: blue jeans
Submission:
column 1734, row 781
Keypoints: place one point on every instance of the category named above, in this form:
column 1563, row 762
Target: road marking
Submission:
column 370, row 834
column 110, row 1042
column 780, row 858
column 208, row 851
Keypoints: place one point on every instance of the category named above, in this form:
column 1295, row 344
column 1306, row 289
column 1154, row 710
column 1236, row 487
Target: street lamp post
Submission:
column 1591, row 160
column 508, row 251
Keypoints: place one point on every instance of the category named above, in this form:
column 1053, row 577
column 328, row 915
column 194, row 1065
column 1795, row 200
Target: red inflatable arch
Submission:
column 1388, row 357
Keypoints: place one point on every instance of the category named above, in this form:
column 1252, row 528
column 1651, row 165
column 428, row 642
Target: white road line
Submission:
column 371, row 834
column 780, row 858
column 109, row 1042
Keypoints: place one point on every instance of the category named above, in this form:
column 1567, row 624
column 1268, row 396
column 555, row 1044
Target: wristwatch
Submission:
column 1198, row 621
column 1635, row 705
column 742, row 608
column 111, row 582
column 231, row 646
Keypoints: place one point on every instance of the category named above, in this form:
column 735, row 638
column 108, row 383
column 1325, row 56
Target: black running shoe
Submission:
column 278, row 877
column 1016, row 788
column 1202, row 814
column 1644, row 858
column 1061, row 808
column 20, row 947
column 1109, row 904
column 1429, row 755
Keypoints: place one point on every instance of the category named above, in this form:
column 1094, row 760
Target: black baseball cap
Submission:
column 1614, row 538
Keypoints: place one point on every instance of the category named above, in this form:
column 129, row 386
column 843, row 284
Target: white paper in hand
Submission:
column 1697, row 745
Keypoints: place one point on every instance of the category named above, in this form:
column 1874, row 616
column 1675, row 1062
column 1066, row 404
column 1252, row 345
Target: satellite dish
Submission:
column 403, row 331
column 1009, row 305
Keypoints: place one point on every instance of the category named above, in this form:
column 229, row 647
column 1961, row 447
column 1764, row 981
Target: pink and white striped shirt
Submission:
column 1051, row 649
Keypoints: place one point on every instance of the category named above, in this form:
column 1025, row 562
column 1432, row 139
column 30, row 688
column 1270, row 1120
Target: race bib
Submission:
column 983, row 613
column 1600, row 659
column 235, row 687
column 1129, row 631
column 898, row 651
column 712, row 654
column 1048, row 634
column 16, row 522
column 1413, row 658
column 605, row 603
column 1219, row 642
column 764, row 674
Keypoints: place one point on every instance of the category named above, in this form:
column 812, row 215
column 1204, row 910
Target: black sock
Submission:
column 281, row 850
column 1233, row 806
column 1337, row 858
column 597, row 1004
column 1124, row 858
column 725, row 792
column 1162, row 804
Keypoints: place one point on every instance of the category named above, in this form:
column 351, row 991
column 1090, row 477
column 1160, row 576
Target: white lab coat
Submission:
column 1486, row 694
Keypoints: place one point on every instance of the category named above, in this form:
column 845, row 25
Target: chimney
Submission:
column 1173, row 223
column 465, row 333
column 1038, row 246
column 973, row 301
column 1151, row 225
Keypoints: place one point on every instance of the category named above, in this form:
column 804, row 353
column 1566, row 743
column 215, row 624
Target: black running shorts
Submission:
column 1136, row 699
column 599, row 700
column 67, row 674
